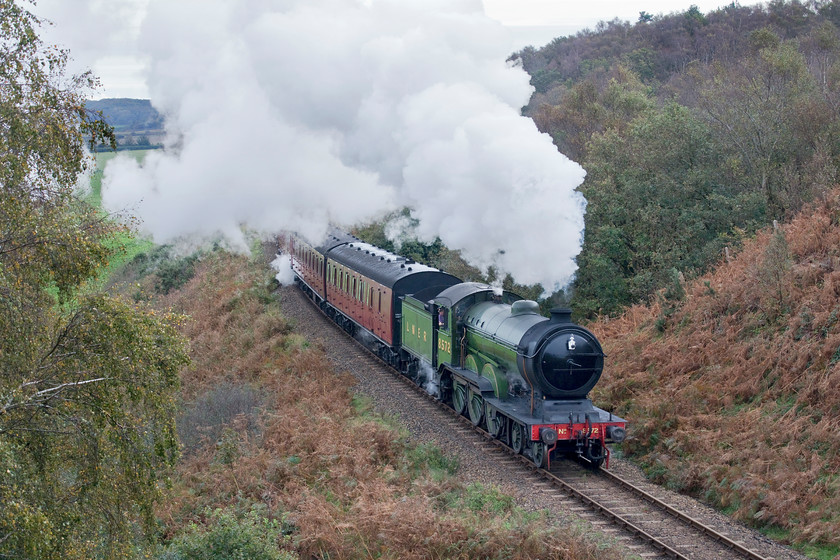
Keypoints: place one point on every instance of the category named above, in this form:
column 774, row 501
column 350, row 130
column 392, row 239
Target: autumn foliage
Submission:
column 734, row 392
column 87, row 381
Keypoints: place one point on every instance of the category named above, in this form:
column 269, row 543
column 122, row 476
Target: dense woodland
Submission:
column 712, row 144
column 733, row 390
column 695, row 130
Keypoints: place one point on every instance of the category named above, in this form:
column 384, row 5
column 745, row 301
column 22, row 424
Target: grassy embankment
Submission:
column 734, row 391
column 280, row 460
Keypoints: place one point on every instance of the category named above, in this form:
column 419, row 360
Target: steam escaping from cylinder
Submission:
column 294, row 115
column 516, row 385
column 428, row 379
column 283, row 265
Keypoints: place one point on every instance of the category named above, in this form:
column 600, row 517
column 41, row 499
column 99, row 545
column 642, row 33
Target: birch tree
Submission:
column 87, row 382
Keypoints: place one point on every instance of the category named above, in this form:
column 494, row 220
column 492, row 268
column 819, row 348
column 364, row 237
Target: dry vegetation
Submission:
column 267, row 423
column 734, row 391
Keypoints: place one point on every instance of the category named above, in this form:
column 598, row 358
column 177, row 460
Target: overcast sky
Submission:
column 102, row 35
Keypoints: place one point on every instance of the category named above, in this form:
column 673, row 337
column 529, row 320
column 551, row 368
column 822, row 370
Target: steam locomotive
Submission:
column 487, row 353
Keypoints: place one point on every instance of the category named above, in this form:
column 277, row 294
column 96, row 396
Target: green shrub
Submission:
column 172, row 274
column 251, row 536
column 479, row 499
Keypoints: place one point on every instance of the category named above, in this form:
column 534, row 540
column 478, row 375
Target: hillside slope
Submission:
column 707, row 126
column 136, row 123
column 734, row 390
column 128, row 114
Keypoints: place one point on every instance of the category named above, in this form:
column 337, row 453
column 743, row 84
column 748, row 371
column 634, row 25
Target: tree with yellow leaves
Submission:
column 87, row 382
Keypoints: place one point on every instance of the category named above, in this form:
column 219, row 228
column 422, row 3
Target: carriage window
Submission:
column 370, row 297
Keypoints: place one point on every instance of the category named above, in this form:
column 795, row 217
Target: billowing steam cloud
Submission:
column 294, row 114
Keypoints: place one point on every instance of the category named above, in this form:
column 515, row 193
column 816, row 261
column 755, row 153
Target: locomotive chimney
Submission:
column 561, row 315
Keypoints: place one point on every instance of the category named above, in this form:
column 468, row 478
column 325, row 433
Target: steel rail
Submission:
column 685, row 518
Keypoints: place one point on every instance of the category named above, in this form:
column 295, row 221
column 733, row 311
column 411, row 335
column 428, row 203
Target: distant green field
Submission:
column 102, row 158
column 127, row 246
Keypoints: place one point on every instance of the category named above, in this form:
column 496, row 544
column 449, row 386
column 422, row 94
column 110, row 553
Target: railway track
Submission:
column 645, row 525
column 627, row 512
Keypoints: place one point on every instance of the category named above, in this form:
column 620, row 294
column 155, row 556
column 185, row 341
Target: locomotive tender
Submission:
column 490, row 355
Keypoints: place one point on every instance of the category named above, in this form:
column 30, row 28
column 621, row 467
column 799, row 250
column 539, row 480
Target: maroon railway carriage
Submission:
column 360, row 285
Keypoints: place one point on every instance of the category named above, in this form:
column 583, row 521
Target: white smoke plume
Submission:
column 295, row 114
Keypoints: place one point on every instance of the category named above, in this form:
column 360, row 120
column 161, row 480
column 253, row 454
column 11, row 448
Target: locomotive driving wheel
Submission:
column 459, row 397
column 476, row 408
column 539, row 453
column 517, row 437
column 495, row 421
